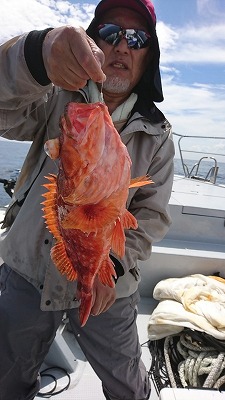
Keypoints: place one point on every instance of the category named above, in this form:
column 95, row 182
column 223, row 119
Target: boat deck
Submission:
column 195, row 244
column 85, row 384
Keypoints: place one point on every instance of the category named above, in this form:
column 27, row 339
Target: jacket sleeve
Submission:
column 149, row 205
column 20, row 92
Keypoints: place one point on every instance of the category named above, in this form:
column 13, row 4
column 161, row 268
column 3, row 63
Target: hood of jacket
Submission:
column 149, row 88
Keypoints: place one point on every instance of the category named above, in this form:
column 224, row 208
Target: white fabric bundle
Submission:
column 195, row 301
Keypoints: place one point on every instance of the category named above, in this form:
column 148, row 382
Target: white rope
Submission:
column 199, row 360
column 167, row 343
column 215, row 371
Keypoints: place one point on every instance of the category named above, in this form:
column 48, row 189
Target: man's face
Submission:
column 123, row 66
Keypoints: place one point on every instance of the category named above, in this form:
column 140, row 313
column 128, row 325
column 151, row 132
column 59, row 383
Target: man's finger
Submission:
column 89, row 56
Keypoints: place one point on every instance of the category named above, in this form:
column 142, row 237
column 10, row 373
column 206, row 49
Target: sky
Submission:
column 192, row 41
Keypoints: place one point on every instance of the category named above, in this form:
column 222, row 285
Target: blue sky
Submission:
column 192, row 39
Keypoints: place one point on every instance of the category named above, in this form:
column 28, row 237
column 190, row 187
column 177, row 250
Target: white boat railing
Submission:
column 193, row 172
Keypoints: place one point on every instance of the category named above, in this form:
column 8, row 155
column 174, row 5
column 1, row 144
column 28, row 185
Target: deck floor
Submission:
column 89, row 386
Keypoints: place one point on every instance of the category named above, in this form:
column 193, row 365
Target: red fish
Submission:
column 85, row 205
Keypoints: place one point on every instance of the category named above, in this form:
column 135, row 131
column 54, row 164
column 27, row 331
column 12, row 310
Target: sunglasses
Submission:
column 113, row 34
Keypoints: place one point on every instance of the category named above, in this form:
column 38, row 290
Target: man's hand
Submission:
column 102, row 298
column 71, row 57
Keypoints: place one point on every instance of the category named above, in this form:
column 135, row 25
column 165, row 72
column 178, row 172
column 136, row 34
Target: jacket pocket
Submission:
column 11, row 213
column 4, row 274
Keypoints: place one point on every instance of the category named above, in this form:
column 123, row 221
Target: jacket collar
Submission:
column 143, row 117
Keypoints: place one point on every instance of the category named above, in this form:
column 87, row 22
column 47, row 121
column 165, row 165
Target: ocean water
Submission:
column 12, row 155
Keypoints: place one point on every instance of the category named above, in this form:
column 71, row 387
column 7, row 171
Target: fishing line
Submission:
column 46, row 119
column 101, row 93
column 47, row 131
column 46, row 99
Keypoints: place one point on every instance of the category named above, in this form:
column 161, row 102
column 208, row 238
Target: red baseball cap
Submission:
column 143, row 7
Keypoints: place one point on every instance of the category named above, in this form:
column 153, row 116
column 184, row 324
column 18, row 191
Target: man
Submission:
column 40, row 73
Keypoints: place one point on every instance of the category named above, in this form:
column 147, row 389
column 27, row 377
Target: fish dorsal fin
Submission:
column 106, row 272
column 90, row 217
column 58, row 252
column 140, row 181
column 50, row 206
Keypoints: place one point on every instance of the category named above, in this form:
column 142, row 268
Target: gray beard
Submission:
column 116, row 85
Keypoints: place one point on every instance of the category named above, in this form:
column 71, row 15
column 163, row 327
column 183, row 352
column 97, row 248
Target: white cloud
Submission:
column 195, row 109
column 192, row 109
column 192, row 44
column 22, row 16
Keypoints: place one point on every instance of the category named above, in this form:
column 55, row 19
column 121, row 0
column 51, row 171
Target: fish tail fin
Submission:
column 85, row 307
column 140, row 181
column 107, row 272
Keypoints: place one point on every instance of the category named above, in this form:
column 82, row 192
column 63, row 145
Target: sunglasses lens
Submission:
column 143, row 38
column 132, row 39
column 112, row 34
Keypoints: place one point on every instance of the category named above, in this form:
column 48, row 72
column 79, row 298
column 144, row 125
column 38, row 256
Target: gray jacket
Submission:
column 29, row 111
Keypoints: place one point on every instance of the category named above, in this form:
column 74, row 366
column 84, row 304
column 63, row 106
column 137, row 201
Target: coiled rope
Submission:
column 191, row 359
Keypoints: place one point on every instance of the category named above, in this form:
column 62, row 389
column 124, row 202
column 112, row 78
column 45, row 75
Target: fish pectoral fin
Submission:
column 51, row 148
column 90, row 217
column 118, row 239
column 62, row 262
column 107, row 272
column 128, row 221
column 140, row 181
